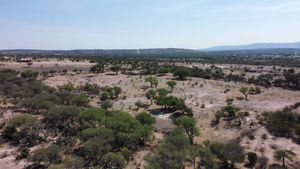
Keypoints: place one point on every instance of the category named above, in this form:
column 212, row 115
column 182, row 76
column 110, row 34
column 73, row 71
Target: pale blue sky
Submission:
column 107, row 24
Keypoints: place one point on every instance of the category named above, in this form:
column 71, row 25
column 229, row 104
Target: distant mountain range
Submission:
column 255, row 46
column 99, row 52
column 251, row 49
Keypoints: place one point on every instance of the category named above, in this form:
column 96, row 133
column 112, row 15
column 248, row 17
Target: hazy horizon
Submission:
column 120, row 24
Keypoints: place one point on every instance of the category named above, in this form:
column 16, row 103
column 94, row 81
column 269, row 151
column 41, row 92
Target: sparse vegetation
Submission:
column 82, row 121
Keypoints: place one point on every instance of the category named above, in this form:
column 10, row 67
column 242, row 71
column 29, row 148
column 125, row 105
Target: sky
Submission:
column 124, row 24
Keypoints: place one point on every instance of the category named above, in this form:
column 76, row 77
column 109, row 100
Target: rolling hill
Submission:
column 255, row 46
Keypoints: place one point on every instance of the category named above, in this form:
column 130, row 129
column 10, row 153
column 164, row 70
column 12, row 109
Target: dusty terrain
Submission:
column 204, row 96
column 49, row 64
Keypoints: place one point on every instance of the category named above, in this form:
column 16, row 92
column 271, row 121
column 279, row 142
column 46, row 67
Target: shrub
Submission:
column 22, row 129
column 145, row 118
column 106, row 104
column 113, row 160
column 252, row 158
column 181, row 73
column 281, row 123
column 46, row 156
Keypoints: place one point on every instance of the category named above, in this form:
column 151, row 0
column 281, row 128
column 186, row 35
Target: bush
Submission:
column 264, row 136
column 29, row 74
column 252, row 158
column 281, row 123
column 91, row 88
column 181, row 73
column 46, row 156
column 104, row 96
column 106, row 104
column 63, row 119
column 171, row 152
column 93, row 150
column 22, row 129
column 113, row 160
column 140, row 104
column 91, row 117
column 81, row 100
column 101, row 133
column 145, row 118
column 73, row 162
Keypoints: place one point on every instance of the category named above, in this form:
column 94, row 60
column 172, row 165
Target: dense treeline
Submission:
column 273, row 58
column 289, row 79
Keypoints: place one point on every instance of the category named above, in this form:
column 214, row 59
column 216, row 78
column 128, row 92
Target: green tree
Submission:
column 231, row 152
column 230, row 110
column 81, row 100
column 113, row 160
column 245, row 91
column 201, row 156
column 171, row 84
column 98, row 68
column 152, row 80
column 127, row 154
column 162, row 92
column 144, row 133
column 181, row 73
column 91, row 117
column 67, row 87
column 145, row 118
column 23, row 129
column 171, row 152
column 93, row 150
column 107, row 104
column 29, row 74
column 163, row 70
column 218, row 116
column 44, row 74
column 46, row 156
column 91, row 89
column 116, row 68
column 63, row 119
column 150, row 94
column 129, row 131
column 281, row 123
column 189, row 126
column 161, row 97
column 121, row 122
column 73, row 162
column 111, row 92
column 104, row 96
column 282, row 155
column 234, row 152
column 100, row 133
column 117, row 91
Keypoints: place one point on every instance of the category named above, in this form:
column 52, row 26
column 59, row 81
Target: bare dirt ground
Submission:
column 49, row 64
column 8, row 158
column 204, row 96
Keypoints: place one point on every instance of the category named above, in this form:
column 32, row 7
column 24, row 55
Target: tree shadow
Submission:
column 157, row 112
